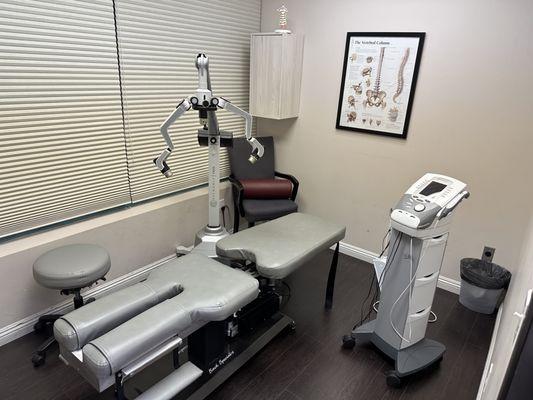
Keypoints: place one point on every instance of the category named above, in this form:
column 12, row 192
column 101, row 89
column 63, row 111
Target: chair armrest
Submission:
column 293, row 180
column 238, row 194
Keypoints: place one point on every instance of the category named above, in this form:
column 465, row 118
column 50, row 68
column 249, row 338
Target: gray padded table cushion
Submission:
column 211, row 292
column 75, row 329
column 280, row 246
column 72, row 266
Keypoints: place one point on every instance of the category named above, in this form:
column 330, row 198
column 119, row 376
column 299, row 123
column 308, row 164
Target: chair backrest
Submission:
column 241, row 168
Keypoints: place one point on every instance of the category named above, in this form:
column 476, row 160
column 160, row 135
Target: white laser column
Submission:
column 206, row 104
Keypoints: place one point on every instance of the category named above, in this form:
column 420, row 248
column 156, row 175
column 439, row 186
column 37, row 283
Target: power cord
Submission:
column 364, row 317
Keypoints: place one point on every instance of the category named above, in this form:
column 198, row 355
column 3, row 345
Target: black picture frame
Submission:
column 421, row 37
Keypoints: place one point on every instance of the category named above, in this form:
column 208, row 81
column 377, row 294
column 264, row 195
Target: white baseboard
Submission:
column 451, row 285
column 25, row 326
column 487, row 371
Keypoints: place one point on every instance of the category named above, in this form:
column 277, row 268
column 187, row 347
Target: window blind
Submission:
column 62, row 152
column 158, row 43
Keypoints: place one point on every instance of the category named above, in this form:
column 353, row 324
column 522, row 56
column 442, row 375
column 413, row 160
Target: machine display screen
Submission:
column 432, row 187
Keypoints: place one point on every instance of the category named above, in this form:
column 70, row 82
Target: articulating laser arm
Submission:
column 204, row 102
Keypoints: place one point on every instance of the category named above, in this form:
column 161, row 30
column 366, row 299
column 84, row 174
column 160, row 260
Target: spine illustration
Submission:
column 376, row 97
column 399, row 88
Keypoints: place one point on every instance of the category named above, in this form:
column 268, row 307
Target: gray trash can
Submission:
column 483, row 285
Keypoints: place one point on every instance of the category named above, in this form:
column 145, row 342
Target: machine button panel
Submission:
column 420, row 207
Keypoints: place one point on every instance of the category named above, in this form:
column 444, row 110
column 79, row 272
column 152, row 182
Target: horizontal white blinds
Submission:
column 158, row 43
column 62, row 150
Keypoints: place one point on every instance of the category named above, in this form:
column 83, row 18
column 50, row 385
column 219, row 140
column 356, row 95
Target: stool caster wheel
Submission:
column 348, row 342
column 393, row 380
column 292, row 328
column 39, row 326
column 38, row 360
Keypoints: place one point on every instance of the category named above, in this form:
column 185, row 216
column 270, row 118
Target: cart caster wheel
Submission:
column 39, row 326
column 289, row 329
column 38, row 360
column 348, row 342
column 393, row 380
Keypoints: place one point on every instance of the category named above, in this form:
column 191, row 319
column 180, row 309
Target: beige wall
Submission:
column 134, row 238
column 514, row 302
column 472, row 119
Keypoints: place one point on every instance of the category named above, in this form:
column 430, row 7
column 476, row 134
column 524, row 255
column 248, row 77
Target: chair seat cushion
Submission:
column 71, row 267
column 261, row 210
column 266, row 188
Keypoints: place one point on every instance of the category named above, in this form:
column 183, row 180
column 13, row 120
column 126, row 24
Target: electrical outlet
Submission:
column 488, row 253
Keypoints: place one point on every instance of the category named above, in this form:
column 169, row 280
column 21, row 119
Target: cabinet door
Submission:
column 265, row 76
column 291, row 75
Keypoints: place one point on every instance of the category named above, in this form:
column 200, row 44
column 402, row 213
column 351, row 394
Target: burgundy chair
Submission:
column 260, row 193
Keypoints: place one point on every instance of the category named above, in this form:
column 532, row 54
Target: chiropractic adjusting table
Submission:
column 226, row 313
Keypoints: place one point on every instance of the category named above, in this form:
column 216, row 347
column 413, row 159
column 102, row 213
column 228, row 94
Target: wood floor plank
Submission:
column 336, row 374
column 454, row 332
column 463, row 383
column 286, row 395
column 256, row 366
column 276, row 379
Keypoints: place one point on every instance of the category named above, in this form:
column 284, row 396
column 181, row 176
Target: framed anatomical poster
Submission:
column 379, row 81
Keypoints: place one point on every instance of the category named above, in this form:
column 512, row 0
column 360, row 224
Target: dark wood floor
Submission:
column 309, row 364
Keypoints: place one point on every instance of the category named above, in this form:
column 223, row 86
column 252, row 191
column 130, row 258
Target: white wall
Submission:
column 134, row 238
column 504, row 338
column 471, row 119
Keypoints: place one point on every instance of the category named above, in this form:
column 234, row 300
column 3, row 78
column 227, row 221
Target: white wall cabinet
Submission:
column 275, row 74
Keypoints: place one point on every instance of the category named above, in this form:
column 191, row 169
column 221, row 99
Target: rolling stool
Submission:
column 68, row 269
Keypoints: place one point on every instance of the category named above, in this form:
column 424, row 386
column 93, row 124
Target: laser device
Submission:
column 206, row 104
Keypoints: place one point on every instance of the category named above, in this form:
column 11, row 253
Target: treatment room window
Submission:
column 80, row 117
column 62, row 149
column 158, row 43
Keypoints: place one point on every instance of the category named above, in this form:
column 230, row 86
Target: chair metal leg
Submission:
column 331, row 278
column 236, row 219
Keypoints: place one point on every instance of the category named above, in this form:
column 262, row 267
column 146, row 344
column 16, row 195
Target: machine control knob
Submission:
column 420, row 207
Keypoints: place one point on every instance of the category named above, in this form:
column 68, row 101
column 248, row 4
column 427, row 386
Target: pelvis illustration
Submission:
column 375, row 98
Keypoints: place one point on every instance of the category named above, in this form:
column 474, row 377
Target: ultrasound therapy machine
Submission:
column 420, row 224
